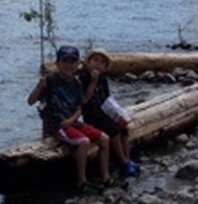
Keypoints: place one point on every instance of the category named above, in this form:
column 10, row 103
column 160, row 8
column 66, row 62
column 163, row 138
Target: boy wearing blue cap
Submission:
column 61, row 94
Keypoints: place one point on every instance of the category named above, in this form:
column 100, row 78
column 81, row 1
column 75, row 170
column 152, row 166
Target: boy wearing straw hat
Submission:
column 102, row 111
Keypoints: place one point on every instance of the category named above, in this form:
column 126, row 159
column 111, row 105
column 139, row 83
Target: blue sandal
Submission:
column 129, row 169
column 136, row 166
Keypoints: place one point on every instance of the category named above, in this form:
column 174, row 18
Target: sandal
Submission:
column 136, row 166
column 83, row 188
column 106, row 184
column 129, row 170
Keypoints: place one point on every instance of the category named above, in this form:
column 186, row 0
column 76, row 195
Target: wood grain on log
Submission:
column 165, row 113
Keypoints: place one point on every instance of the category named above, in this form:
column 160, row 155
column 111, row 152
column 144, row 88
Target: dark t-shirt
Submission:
column 62, row 98
column 92, row 112
column 93, row 106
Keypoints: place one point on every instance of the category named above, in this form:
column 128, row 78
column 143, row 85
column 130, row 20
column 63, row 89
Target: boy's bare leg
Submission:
column 103, row 143
column 126, row 147
column 81, row 159
column 118, row 149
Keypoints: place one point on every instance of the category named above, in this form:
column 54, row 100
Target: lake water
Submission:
column 119, row 26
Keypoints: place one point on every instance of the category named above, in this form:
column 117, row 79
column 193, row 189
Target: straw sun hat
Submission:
column 99, row 51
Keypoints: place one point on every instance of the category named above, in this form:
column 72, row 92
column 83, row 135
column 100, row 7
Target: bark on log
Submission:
column 140, row 62
column 163, row 114
column 167, row 113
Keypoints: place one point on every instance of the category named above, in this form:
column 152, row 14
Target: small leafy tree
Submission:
column 47, row 23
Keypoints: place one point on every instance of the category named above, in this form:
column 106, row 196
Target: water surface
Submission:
column 119, row 26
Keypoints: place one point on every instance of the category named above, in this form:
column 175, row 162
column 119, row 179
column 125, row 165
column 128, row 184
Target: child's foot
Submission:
column 83, row 189
column 136, row 166
column 129, row 169
column 106, row 184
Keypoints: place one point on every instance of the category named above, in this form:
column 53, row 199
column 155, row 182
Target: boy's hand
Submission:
column 42, row 83
column 38, row 91
column 67, row 122
column 95, row 73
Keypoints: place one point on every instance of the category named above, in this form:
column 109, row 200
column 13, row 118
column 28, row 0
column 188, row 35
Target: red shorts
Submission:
column 78, row 133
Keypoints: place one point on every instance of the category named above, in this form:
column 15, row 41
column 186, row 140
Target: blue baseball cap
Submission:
column 67, row 51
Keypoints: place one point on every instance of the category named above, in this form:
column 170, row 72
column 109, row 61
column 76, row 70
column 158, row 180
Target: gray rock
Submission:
column 185, row 195
column 160, row 75
column 110, row 199
column 72, row 201
column 185, row 81
column 148, row 76
column 166, row 77
column 190, row 145
column 131, row 76
column 173, row 169
column 169, row 78
column 183, row 138
column 178, row 71
column 150, row 199
column 196, row 187
column 126, row 199
column 192, row 75
column 128, row 78
column 113, row 195
column 189, row 171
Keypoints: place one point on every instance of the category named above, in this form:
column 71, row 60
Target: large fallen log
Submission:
column 165, row 62
column 160, row 116
column 140, row 62
column 165, row 114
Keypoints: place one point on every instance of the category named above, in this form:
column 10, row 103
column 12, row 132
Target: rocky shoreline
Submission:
column 169, row 168
column 169, row 175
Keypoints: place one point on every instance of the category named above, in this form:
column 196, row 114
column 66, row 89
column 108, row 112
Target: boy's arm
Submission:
column 123, row 122
column 37, row 91
column 69, row 121
column 92, row 86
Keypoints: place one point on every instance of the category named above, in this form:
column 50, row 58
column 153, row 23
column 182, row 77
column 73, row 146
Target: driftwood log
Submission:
column 165, row 62
column 165, row 114
column 140, row 62
column 162, row 115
